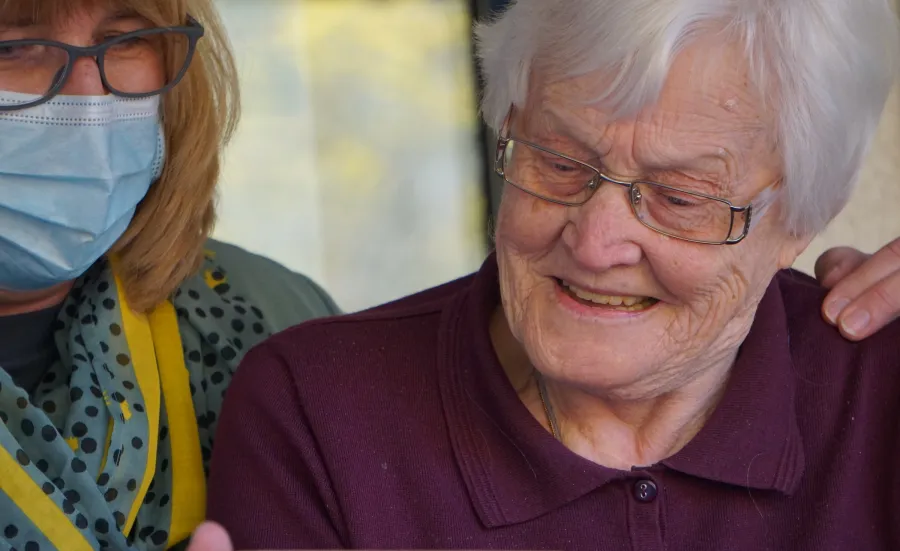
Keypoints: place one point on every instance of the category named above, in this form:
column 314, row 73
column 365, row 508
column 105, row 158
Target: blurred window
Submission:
column 358, row 161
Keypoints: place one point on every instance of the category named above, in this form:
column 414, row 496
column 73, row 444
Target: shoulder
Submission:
column 802, row 296
column 390, row 339
column 836, row 377
column 803, row 300
column 232, row 304
column 287, row 297
column 347, row 380
column 847, row 394
column 379, row 325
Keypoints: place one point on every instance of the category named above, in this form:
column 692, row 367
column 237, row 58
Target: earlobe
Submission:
column 792, row 248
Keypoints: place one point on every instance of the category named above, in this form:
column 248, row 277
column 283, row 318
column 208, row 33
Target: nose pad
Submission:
column 636, row 196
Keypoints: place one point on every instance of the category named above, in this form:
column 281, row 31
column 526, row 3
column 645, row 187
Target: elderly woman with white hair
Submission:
column 634, row 367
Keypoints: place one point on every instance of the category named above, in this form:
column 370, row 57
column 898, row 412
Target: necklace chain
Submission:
column 548, row 407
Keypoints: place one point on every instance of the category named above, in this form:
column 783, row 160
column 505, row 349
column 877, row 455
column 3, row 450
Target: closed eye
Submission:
column 564, row 167
column 19, row 53
column 8, row 51
column 127, row 41
column 558, row 163
column 679, row 201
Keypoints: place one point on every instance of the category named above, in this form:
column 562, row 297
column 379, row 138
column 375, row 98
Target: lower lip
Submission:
column 598, row 311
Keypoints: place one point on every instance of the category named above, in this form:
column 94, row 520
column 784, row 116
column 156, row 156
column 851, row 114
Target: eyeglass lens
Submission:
column 140, row 64
column 666, row 209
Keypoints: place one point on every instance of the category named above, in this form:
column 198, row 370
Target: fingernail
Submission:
column 834, row 309
column 855, row 322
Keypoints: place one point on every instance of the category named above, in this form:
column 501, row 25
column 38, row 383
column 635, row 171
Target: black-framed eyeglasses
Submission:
column 678, row 213
column 138, row 64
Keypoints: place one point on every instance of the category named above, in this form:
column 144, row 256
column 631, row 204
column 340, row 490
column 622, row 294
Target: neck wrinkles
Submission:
column 618, row 428
column 623, row 434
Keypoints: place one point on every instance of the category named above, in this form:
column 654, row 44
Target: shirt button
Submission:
column 645, row 491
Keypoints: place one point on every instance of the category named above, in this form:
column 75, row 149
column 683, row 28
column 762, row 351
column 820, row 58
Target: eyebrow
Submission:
column 123, row 13
column 574, row 128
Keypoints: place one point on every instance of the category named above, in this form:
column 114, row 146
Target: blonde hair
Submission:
column 164, row 243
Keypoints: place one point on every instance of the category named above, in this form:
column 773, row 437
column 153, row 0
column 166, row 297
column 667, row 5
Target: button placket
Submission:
column 645, row 512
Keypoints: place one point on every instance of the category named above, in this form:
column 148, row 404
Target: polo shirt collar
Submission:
column 515, row 470
column 752, row 439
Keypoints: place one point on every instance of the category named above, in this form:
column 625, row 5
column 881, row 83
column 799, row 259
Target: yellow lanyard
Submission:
column 156, row 353
column 154, row 342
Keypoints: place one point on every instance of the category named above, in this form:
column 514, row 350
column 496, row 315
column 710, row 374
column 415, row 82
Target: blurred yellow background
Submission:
column 357, row 162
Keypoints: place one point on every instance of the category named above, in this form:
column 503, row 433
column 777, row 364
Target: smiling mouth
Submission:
column 622, row 303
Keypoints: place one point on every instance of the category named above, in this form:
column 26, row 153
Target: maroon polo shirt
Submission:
column 397, row 429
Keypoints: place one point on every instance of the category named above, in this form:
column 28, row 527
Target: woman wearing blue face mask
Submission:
column 120, row 323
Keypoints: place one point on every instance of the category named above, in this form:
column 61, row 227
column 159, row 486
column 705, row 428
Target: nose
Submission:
column 84, row 79
column 603, row 233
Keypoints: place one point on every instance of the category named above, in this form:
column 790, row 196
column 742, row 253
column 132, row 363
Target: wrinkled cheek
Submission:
column 694, row 325
column 528, row 225
column 546, row 346
column 512, row 269
column 517, row 291
column 714, row 314
column 526, row 232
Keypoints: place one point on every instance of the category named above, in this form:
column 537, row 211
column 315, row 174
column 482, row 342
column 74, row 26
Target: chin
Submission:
column 608, row 355
column 596, row 369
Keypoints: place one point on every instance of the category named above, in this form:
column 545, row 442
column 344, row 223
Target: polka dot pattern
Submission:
column 58, row 434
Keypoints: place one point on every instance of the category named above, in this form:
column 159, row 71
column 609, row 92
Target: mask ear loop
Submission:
column 159, row 163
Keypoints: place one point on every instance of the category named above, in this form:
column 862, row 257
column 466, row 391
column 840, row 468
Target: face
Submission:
column 85, row 25
column 31, row 70
column 567, row 274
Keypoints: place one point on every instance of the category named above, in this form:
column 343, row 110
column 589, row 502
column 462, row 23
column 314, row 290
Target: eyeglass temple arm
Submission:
column 502, row 141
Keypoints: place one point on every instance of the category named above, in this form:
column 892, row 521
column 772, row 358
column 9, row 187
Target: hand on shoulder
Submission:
column 865, row 288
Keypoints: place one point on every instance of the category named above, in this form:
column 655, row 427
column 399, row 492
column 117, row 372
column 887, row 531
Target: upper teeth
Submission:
column 612, row 300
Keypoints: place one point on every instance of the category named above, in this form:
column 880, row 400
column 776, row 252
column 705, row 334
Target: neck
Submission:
column 14, row 302
column 626, row 433
column 622, row 428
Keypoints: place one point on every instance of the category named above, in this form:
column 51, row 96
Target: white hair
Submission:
column 828, row 66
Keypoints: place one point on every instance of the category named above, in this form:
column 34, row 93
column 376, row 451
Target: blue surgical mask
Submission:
column 72, row 172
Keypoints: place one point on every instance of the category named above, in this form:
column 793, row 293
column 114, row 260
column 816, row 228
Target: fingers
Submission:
column 210, row 537
column 837, row 263
column 868, row 297
column 875, row 308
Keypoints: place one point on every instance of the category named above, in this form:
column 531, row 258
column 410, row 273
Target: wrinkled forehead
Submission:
column 55, row 13
column 707, row 89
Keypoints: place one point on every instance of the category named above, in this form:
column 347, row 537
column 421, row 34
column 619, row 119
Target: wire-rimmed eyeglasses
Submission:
column 557, row 178
column 128, row 63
